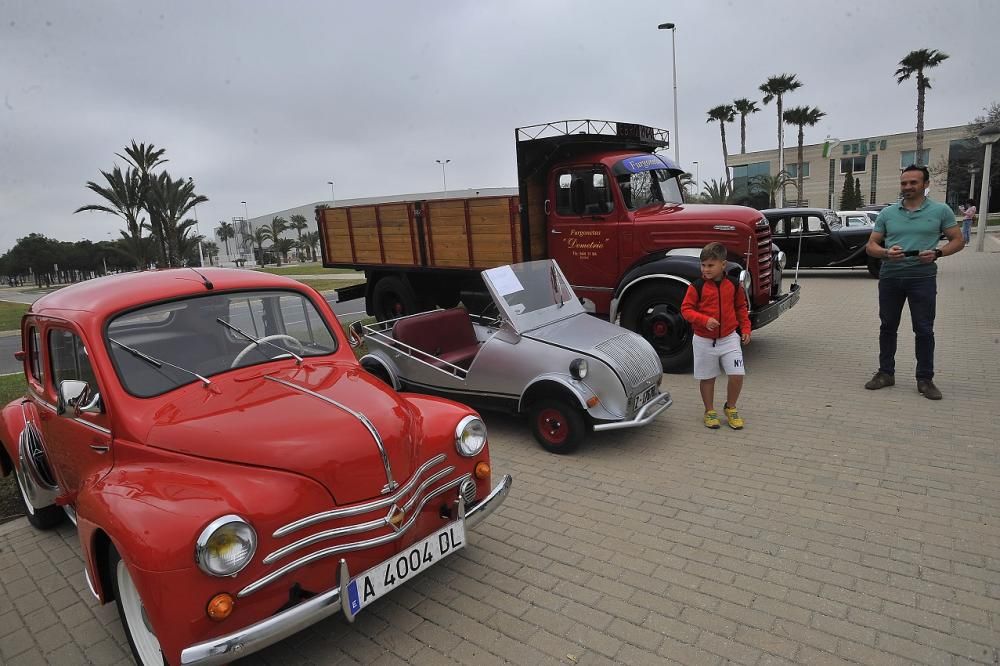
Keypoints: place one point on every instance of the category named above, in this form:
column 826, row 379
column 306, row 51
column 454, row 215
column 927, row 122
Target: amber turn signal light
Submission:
column 482, row 470
column 592, row 400
column 219, row 607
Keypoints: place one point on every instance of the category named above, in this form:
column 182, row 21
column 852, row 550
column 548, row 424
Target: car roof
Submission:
column 796, row 211
column 115, row 293
column 859, row 213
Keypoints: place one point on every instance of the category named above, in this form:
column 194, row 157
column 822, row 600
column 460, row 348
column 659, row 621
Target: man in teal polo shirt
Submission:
column 910, row 231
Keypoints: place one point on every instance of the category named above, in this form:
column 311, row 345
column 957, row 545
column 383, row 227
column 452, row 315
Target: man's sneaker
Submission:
column 733, row 418
column 880, row 380
column 712, row 419
column 928, row 390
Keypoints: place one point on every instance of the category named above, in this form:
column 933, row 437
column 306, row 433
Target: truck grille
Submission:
column 359, row 526
column 764, row 276
column 631, row 355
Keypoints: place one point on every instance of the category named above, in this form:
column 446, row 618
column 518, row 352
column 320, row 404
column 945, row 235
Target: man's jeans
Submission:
column 921, row 294
column 966, row 230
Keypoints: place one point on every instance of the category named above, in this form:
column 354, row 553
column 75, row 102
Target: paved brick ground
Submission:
column 842, row 526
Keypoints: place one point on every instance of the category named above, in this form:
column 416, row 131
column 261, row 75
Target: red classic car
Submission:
column 233, row 473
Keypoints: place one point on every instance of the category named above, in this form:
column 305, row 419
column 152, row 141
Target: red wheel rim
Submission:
column 552, row 426
column 660, row 329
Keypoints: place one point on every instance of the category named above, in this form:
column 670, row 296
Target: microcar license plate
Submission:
column 383, row 578
column 644, row 397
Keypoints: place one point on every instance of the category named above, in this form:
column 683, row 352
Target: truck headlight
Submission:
column 745, row 281
column 470, row 436
column 225, row 546
column 782, row 260
column 578, row 368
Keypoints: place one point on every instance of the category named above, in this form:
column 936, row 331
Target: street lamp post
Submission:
column 672, row 27
column 246, row 222
column 333, row 197
column 697, row 176
column 444, row 177
column 973, row 170
column 197, row 228
column 987, row 136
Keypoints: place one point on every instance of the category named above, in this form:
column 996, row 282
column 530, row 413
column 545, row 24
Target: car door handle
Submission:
column 556, row 231
column 100, row 448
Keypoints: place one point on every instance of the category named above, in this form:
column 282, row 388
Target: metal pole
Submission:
column 333, row 196
column 673, row 54
column 972, row 182
column 984, row 200
column 444, row 178
column 697, row 176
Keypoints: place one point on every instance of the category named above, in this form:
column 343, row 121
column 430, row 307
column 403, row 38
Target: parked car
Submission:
column 233, row 474
column 857, row 218
column 537, row 351
column 816, row 238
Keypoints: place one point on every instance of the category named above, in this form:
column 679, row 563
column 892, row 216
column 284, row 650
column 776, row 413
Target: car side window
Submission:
column 68, row 358
column 779, row 227
column 583, row 191
column 35, row 355
column 795, row 225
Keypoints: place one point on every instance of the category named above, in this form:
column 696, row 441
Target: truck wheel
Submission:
column 874, row 266
column 654, row 312
column 145, row 646
column 393, row 297
column 558, row 427
column 43, row 518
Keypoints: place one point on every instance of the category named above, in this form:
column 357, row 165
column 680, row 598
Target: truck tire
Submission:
column 393, row 297
column 654, row 312
column 874, row 266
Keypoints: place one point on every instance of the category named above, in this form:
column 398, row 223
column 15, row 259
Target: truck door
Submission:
column 583, row 227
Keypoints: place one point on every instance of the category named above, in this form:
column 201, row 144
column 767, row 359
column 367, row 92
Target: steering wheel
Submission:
column 267, row 338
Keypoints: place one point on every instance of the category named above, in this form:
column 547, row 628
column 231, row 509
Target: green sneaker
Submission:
column 712, row 420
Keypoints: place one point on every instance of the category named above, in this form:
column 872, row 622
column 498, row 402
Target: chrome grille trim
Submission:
column 635, row 363
column 359, row 527
column 360, row 508
column 349, row 547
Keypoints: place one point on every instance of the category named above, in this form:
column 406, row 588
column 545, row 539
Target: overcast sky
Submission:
column 266, row 102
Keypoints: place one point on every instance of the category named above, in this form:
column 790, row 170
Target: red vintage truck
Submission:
column 593, row 195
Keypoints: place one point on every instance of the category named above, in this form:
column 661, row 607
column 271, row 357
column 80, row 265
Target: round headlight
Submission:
column 470, row 436
column 782, row 260
column 578, row 368
column 225, row 546
column 745, row 280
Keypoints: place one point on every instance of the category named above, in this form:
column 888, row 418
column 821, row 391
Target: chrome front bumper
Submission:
column 647, row 413
column 278, row 627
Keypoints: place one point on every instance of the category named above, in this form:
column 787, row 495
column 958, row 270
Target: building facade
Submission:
column 874, row 163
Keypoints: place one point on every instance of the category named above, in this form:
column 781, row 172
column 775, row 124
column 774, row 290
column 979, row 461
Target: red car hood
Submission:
column 252, row 419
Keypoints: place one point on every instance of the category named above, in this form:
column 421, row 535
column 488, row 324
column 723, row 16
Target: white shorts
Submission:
column 726, row 354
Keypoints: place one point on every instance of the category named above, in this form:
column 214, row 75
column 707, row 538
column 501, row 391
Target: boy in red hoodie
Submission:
column 716, row 308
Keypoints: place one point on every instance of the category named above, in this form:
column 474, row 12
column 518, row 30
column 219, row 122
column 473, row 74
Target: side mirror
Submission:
column 76, row 397
column 19, row 355
column 355, row 334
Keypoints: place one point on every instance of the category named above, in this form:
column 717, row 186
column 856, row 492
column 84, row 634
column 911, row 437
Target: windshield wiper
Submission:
column 157, row 363
column 298, row 359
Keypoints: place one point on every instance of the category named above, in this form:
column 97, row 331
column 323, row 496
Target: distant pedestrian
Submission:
column 910, row 230
column 969, row 215
column 716, row 308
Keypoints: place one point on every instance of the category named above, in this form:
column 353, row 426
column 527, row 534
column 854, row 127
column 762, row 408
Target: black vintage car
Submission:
column 824, row 241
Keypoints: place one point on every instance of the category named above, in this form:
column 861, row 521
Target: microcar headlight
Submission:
column 470, row 436
column 578, row 368
column 225, row 546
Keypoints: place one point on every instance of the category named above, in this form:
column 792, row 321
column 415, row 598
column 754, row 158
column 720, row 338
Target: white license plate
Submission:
column 644, row 397
column 384, row 577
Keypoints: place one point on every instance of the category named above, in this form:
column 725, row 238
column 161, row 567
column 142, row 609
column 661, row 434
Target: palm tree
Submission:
column 744, row 107
column 259, row 235
column 686, row 181
column 274, row 231
column 185, row 245
column 123, row 195
column 724, row 113
column 771, row 185
column 224, row 232
column 144, row 158
column 211, row 250
column 776, row 87
column 309, row 240
column 298, row 222
column 717, row 192
column 802, row 116
column 168, row 201
column 916, row 62
column 282, row 247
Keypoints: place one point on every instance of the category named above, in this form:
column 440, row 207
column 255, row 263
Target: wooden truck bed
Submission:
column 473, row 233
